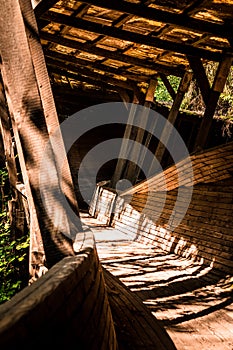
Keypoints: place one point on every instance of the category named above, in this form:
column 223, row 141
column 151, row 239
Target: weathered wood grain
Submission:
column 66, row 306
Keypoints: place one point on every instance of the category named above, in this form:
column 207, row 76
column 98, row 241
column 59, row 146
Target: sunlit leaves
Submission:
column 13, row 252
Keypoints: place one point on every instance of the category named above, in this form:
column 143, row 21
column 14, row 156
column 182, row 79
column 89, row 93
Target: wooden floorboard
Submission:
column 136, row 327
column 193, row 302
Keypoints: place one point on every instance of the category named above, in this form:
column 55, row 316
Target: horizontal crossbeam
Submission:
column 134, row 37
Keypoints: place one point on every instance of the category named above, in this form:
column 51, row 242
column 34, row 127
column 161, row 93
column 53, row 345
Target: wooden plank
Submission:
column 115, row 55
column 201, row 77
column 182, row 89
column 67, row 95
column 108, row 82
column 41, row 6
column 170, row 174
column 24, row 74
column 5, row 128
column 47, row 101
column 179, row 20
column 141, row 329
column 136, row 155
column 59, row 60
column 183, row 299
column 130, row 36
column 124, row 150
column 36, row 248
column 217, row 88
column 199, row 227
column 17, row 208
column 168, row 85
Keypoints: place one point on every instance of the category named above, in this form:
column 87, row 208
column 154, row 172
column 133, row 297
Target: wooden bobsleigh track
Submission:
column 128, row 277
column 185, row 276
column 192, row 301
column 132, row 286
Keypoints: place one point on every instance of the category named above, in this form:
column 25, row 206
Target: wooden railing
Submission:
column 66, row 307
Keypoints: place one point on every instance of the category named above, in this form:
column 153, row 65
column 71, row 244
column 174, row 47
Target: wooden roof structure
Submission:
column 82, row 52
column 115, row 46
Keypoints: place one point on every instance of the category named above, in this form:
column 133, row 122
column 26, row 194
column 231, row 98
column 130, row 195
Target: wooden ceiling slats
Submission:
column 117, row 55
column 131, row 36
column 179, row 20
column 91, row 77
column 75, row 65
column 136, row 39
column 43, row 6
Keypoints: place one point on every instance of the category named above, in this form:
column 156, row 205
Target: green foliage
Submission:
column 13, row 252
column 3, row 176
column 193, row 100
column 162, row 94
column 225, row 104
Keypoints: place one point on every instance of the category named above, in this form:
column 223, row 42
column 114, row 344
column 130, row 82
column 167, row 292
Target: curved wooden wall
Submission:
column 68, row 306
column 206, row 231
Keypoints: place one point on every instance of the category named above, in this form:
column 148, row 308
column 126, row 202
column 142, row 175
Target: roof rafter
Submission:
column 115, row 55
column 70, row 62
column 91, row 77
column 42, row 6
column 180, row 20
column 131, row 36
column 74, row 94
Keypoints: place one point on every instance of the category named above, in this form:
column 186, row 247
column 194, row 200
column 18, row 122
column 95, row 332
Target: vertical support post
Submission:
column 168, row 86
column 36, row 250
column 214, row 94
column 47, row 100
column 201, row 77
column 7, row 139
column 182, row 89
column 131, row 173
column 123, row 155
column 34, row 117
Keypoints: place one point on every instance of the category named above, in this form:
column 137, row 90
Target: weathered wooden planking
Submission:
column 201, row 225
column 137, row 327
column 211, row 165
column 66, row 306
column 192, row 301
column 22, row 64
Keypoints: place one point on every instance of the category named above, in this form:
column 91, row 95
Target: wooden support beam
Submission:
column 195, row 6
column 215, row 92
column 168, row 86
column 99, row 86
column 124, row 151
column 137, row 155
column 178, row 70
column 41, row 6
column 182, row 89
column 67, row 94
column 180, row 20
column 200, row 76
column 131, row 36
column 128, row 134
column 2, row 154
column 48, row 104
column 7, row 137
column 84, row 68
column 34, row 117
column 92, row 77
column 124, row 95
column 37, row 253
